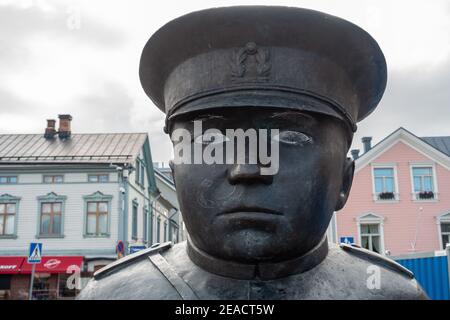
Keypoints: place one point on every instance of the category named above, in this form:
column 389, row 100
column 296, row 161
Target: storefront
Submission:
column 9, row 267
column 55, row 277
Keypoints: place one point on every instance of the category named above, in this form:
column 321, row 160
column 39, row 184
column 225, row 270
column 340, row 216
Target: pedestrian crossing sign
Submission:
column 35, row 253
column 347, row 240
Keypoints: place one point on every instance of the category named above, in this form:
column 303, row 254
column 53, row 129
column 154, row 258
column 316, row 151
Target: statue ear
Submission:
column 347, row 179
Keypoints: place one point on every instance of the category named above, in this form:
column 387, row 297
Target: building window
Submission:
column 145, row 226
column 370, row 230
column 9, row 208
column 445, row 234
column 142, row 177
column 8, row 179
column 137, row 174
column 134, row 226
column 370, row 237
column 53, row 179
column 104, row 177
column 384, row 179
column 173, row 231
column 158, row 229
column 423, row 183
column 165, row 231
column 51, row 218
column 140, row 173
column 7, row 218
column 51, row 215
column 97, row 216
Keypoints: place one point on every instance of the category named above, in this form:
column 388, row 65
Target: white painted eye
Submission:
column 293, row 137
column 211, row 138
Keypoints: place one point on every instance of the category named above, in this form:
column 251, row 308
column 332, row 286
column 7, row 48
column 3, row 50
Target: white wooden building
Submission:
column 80, row 195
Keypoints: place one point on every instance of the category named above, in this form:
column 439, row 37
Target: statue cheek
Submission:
column 208, row 195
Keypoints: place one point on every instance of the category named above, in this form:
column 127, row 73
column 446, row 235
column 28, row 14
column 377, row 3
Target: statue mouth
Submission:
column 251, row 211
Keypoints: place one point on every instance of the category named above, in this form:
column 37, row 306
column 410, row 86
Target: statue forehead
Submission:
column 251, row 117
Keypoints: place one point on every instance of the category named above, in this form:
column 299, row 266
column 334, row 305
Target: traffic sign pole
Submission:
column 34, row 257
column 30, row 294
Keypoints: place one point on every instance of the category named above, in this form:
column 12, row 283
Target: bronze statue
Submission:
column 309, row 77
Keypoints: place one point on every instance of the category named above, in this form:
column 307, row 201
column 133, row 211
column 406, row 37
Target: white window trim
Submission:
column 435, row 185
column 371, row 218
column 52, row 175
column 444, row 217
column 98, row 177
column 396, row 191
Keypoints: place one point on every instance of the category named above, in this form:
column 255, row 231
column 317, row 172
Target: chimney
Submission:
column 355, row 154
column 50, row 131
column 367, row 142
column 64, row 126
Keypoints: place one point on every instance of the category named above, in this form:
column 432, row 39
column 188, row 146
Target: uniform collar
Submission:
column 263, row 271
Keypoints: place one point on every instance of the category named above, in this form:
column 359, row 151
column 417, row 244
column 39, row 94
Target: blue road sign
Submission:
column 35, row 253
column 134, row 249
column 346, row 240
column 120, row 248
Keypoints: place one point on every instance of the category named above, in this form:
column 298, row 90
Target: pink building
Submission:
column 400, row 199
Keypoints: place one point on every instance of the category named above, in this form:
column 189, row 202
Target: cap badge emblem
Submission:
column 250, row 64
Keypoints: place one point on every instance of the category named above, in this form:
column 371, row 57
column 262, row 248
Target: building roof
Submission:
column 165, row 173
column 432, row 147
column 440, row 143
column 80, row 148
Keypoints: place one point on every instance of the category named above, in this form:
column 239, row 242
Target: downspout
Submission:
column 123, row 204
column 123, row 172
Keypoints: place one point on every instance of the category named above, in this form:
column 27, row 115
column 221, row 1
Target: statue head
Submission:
column 261, row 104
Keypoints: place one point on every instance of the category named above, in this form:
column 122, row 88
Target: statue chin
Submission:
column 250, row 245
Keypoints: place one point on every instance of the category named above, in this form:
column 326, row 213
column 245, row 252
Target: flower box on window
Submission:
column 426, row 195
column 386, row 196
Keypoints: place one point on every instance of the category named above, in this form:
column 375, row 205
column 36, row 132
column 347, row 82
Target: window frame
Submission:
column 442, row 218
column 372, row 218
column 8, row 178
column 53, row 176
column 173, row 230
column 50, row 197
column 158, row 228
column 139, row 173
column 134, row 220
column 396, row 192
column 6, row 199
column 97, row 197
column 414, row 194
column 98, row 177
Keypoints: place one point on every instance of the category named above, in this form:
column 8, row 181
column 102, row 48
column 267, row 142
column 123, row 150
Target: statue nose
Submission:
column 248, row 173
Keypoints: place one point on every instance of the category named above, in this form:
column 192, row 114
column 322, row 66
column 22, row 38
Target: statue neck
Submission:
column 263, row 270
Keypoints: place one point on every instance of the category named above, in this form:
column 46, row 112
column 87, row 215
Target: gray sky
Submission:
column 82, row 57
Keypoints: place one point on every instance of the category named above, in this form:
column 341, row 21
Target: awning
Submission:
column 10, row 265
column 54, row 264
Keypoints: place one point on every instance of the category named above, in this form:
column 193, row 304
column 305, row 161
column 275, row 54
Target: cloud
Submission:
column 20, row 26
column 61, row 20
column 417, row 99
column 105, row 109
column 12, row 103
column 50, row 66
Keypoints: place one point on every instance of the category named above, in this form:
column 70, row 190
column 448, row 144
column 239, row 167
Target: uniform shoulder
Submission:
column 394, row 280
column 130, row 259
column 376, row 259
column 131, row 277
